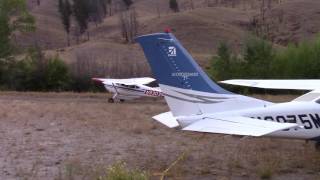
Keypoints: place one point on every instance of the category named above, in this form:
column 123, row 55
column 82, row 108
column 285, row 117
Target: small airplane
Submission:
column 129, row 89
column 199, row 104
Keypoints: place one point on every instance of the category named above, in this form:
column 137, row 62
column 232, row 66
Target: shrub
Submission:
column 119, row 172
column 57, row 75
column 35, row 73
column 261, row 60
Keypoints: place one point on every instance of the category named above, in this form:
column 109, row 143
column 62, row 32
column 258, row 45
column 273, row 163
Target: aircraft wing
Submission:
column 144, row 80
column 131, row 81
column 237, row 125
column 307, row 84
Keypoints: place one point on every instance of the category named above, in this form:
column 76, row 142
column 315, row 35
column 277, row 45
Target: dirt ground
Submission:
column 77, row 136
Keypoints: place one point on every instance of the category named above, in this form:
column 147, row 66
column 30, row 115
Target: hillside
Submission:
column 200, row 29
column 300, row 21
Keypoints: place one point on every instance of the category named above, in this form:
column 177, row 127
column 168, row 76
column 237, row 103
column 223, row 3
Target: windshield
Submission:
column 152, row 84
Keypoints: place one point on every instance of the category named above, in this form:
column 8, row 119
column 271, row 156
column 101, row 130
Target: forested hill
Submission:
column 95, row 37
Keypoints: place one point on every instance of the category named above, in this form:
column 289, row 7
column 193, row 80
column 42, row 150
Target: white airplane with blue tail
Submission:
column 198, row 104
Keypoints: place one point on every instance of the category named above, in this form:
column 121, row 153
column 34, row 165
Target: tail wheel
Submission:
column 111, row 100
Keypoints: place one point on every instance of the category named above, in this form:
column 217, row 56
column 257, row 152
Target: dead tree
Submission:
column 191, row 4
column 128, row 24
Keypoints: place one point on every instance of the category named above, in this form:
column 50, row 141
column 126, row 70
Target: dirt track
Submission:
column 50, row 136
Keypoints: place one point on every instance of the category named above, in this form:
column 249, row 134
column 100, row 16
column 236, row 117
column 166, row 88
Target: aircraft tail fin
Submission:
column 186, row 87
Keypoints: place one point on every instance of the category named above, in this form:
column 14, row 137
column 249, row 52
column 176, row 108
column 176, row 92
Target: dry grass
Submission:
column 200, row 30
column 50, row 135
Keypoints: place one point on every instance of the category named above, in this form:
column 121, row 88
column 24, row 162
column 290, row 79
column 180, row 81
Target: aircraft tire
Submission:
column 122, row 100
column 110, row 100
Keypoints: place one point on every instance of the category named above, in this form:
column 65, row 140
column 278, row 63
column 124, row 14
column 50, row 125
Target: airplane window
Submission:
column 153, row 84
column 133, row 87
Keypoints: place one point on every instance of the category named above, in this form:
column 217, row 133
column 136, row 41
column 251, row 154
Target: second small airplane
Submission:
column 128, row 89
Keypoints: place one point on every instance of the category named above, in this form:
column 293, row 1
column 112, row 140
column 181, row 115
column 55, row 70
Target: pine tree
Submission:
column 97, row 10
column 81, row 14
column 128, row 3
column 174, row 5
column 66, row 12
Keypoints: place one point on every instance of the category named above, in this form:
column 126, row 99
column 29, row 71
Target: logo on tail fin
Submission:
column 172, row 51
column 185, row 75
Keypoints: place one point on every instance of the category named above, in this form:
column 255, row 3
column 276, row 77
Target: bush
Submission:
column 57, row 76
column 35, row 73
column 120, row 172
column 261, row 60
column 298, row 61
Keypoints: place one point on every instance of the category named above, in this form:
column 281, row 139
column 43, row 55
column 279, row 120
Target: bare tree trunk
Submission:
column 68, row 39
column 129, row 25
column 158, row 9
column 192, row 4
column 233, row 3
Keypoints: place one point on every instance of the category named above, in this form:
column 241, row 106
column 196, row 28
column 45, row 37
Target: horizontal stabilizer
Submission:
column 167, row 119
column 307, row 84
column 238, row 125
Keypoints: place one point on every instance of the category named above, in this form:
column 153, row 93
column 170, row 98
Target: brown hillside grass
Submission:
column 200, row 30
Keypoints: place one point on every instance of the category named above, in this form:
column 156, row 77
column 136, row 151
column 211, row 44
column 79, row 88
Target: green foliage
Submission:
column 35, row 73
column 221, row 61
column 57, row 75
column 265, row 173
column 5, row 32
column 298, row 61
column 81, row 83
column 22, row 20
column 13, row 17
column 120, row 172
column 260, row 60
column 174, row 6
column 257, row 58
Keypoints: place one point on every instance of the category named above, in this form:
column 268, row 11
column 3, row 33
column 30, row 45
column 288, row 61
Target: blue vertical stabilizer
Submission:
column 173, row 66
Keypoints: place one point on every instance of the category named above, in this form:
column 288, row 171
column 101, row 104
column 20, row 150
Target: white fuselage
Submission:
column 306, row 114
column 132, row 91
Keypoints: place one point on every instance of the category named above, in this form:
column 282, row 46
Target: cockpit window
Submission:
column 153, row 84
column 133, row 86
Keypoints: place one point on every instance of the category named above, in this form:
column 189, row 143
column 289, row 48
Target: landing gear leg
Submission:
column 110, row 100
